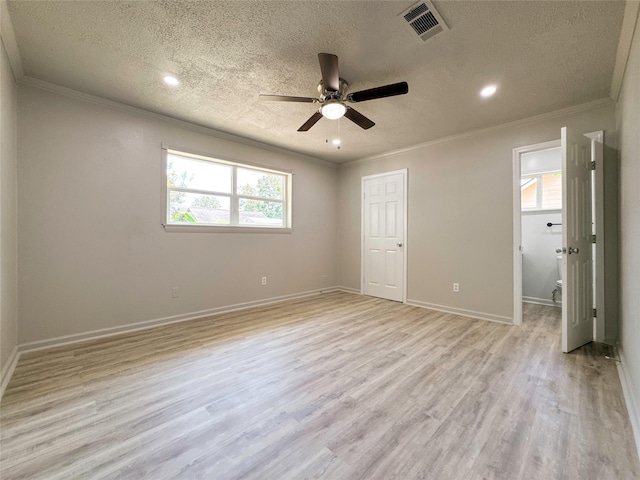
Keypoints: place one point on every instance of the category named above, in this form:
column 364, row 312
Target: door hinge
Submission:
column 593, row 239
column 594, row 313
column 593, row 165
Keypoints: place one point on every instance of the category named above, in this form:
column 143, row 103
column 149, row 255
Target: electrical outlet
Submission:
column 264, row 280
column 175, row 292
column 324, row 278
column 456, row 287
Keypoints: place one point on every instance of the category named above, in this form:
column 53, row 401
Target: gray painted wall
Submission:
column 460, row 212
column 8, row 213
column 628, row 119
column 93, row 253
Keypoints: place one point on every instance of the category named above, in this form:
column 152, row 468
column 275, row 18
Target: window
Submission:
column 541, row 191
column 211, row 194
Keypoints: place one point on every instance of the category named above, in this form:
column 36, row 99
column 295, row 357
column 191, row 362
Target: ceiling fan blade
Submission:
column 359, row 119
column 379, row 92
column 284, row 98
column 311, row 122
column 329, row 69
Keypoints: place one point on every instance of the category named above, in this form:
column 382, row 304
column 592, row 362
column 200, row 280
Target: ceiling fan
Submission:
column 334, row 96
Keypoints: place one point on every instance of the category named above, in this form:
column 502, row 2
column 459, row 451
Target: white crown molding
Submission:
column 103, row 102
column 9, row 41
column 629, row 26
column 495, row 128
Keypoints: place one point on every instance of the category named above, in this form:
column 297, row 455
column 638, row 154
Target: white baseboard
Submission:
column 347, row 290
column 132, row 327
column 542, row 301
column 610, row 341
column 633, row 403
column 461, row 311
column 8, row 369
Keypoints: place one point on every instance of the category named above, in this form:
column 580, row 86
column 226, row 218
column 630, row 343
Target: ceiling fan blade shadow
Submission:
column 391, row 90
column 329, row 69
column 284, row 98
column 311, row 122
column 359, row 119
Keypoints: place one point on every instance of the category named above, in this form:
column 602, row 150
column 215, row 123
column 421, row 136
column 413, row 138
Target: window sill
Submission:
column 222, row 229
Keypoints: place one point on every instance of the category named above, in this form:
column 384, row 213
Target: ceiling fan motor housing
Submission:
column 329, row 95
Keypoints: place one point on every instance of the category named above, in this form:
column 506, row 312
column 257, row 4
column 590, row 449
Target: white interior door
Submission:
column 383, row 228
column 577, row 304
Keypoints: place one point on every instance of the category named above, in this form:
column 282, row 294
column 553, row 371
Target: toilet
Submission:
column 558, row 289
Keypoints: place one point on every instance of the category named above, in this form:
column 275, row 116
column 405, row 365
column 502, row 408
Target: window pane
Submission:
column 552, row 190
column 198, row 174
column 260, row 184
column 529, row 194
column 260, row 213
column 196, row 208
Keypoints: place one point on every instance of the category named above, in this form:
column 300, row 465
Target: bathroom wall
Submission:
column 539, row 266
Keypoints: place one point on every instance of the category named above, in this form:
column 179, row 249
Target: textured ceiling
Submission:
column 543, row 56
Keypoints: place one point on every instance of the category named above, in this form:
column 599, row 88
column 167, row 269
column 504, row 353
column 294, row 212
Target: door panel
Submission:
column 383, row 236
column 577, row 304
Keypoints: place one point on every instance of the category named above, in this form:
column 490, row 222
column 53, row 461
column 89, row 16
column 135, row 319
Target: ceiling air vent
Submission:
column 424, row 20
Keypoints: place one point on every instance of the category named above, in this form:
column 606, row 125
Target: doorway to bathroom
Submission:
column 541, row 225
column 557, row 208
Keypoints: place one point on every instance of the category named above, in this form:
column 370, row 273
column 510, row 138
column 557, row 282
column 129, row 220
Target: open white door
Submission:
column 577, row 304
column 383, row 230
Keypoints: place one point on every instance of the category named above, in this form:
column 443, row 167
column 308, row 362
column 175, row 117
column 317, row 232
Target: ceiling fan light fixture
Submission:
column 333, row 110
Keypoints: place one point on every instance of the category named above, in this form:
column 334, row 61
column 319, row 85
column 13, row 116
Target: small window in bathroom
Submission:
column 552, row 191
column 541, row 191
column 529, row 189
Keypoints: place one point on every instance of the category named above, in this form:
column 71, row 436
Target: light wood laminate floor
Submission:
column 334, row 386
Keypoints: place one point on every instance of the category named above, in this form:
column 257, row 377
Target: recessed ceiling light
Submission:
column 336, row 141
column 488, row 91
column 171, row 81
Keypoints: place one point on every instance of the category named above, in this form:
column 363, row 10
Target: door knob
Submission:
column 561, row 250
column 573, row 250
column 399, row 244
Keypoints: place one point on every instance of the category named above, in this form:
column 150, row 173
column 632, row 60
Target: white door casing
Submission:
column 577, row 302
column 597, row 156
column 384, row 225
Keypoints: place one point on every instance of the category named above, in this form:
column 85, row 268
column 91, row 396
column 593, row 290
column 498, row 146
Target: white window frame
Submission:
column 235, row 227
column 538, row 177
